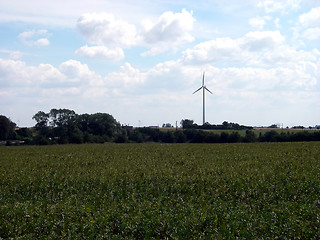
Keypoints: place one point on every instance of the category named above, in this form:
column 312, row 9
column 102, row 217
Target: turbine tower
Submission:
column 203, row 87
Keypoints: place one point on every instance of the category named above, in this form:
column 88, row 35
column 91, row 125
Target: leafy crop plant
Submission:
column 161, row 191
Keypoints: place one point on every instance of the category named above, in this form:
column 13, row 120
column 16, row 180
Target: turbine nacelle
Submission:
column 203, row 86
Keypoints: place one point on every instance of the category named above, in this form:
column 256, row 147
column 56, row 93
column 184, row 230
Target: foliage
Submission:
column 42, row 119
column 61, row 117
column 209, row 136
column 6, row 128
column 65, row 126
column 161, row 191
column 188, row 124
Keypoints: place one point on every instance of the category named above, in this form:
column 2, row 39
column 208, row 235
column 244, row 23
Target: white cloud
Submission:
column 169, row 31
column 311, row 18
column 277, row 23
column 74, row 69
column 259, row 22
column 285, row 55
column 80, row 73
column 70, row 74
column 271, row 6
column 307, row 26
column 256, row 41
column 101, row 52
column 214, row 50
column 12, row 72
column 105, row 29
column 31, row 38
column 312, row 33
column 17, row 73
column 48, row 74
column 52, row 13
column 15, row 55
column 167, row 85
column 42, row 42
column 244, row 49
column 127, row 76
column 170, row 27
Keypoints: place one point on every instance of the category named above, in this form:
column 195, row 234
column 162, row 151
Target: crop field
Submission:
column 161, row 191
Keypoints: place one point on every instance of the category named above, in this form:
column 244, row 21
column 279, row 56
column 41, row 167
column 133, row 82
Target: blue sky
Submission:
column 140, row 61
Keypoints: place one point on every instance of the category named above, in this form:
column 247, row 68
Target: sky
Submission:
column 140, row 60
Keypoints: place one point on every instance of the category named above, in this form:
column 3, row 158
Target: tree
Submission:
column 213, row 137
column 75, row 135
column 82, row 122
column 136, row 136
column 153, row 133
column 250, row 136
column 104, row 124
column 224, row 137
column 122, row 138
column 234, row 137
column 225, row 125
column 199, row 137
column 270, row 136
column 187, row 123
column 168, row 137
column 6, row 127
column 42, row 119
column 180, row 136
column 61, row 117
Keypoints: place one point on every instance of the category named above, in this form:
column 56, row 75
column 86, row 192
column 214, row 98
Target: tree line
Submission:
column 62, row 126
column 189, row 124
column 202, row 136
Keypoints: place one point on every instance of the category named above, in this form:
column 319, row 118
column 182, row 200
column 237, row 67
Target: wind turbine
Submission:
column 203, row 87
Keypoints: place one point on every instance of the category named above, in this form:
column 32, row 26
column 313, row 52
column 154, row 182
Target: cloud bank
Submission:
column 109, row 35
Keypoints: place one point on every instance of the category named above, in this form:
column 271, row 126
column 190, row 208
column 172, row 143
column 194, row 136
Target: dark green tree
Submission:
column 224, row 137
column 187, row 123
column 250, row 136
column 199, row 137
column 104, row 124
column 42, row 120
column 180, row 136
column 234, row 137
column 168, row 137
column 270, row 136
column 82, row 122
column 136, row 136
column 122, row 137
column 61, row 117
column 226, row 125
column 6, row 128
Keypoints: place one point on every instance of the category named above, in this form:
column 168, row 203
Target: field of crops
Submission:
column 159, row 191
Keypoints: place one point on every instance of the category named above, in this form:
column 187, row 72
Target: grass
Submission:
column 158, row 191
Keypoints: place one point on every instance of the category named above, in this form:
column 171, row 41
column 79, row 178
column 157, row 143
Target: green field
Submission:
column 159, row 191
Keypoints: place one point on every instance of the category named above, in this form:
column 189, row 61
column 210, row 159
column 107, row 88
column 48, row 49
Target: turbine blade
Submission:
column 197, row 90
column 208, row 90
column 203, row 79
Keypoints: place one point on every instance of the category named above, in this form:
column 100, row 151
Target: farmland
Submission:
column 175, row 191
